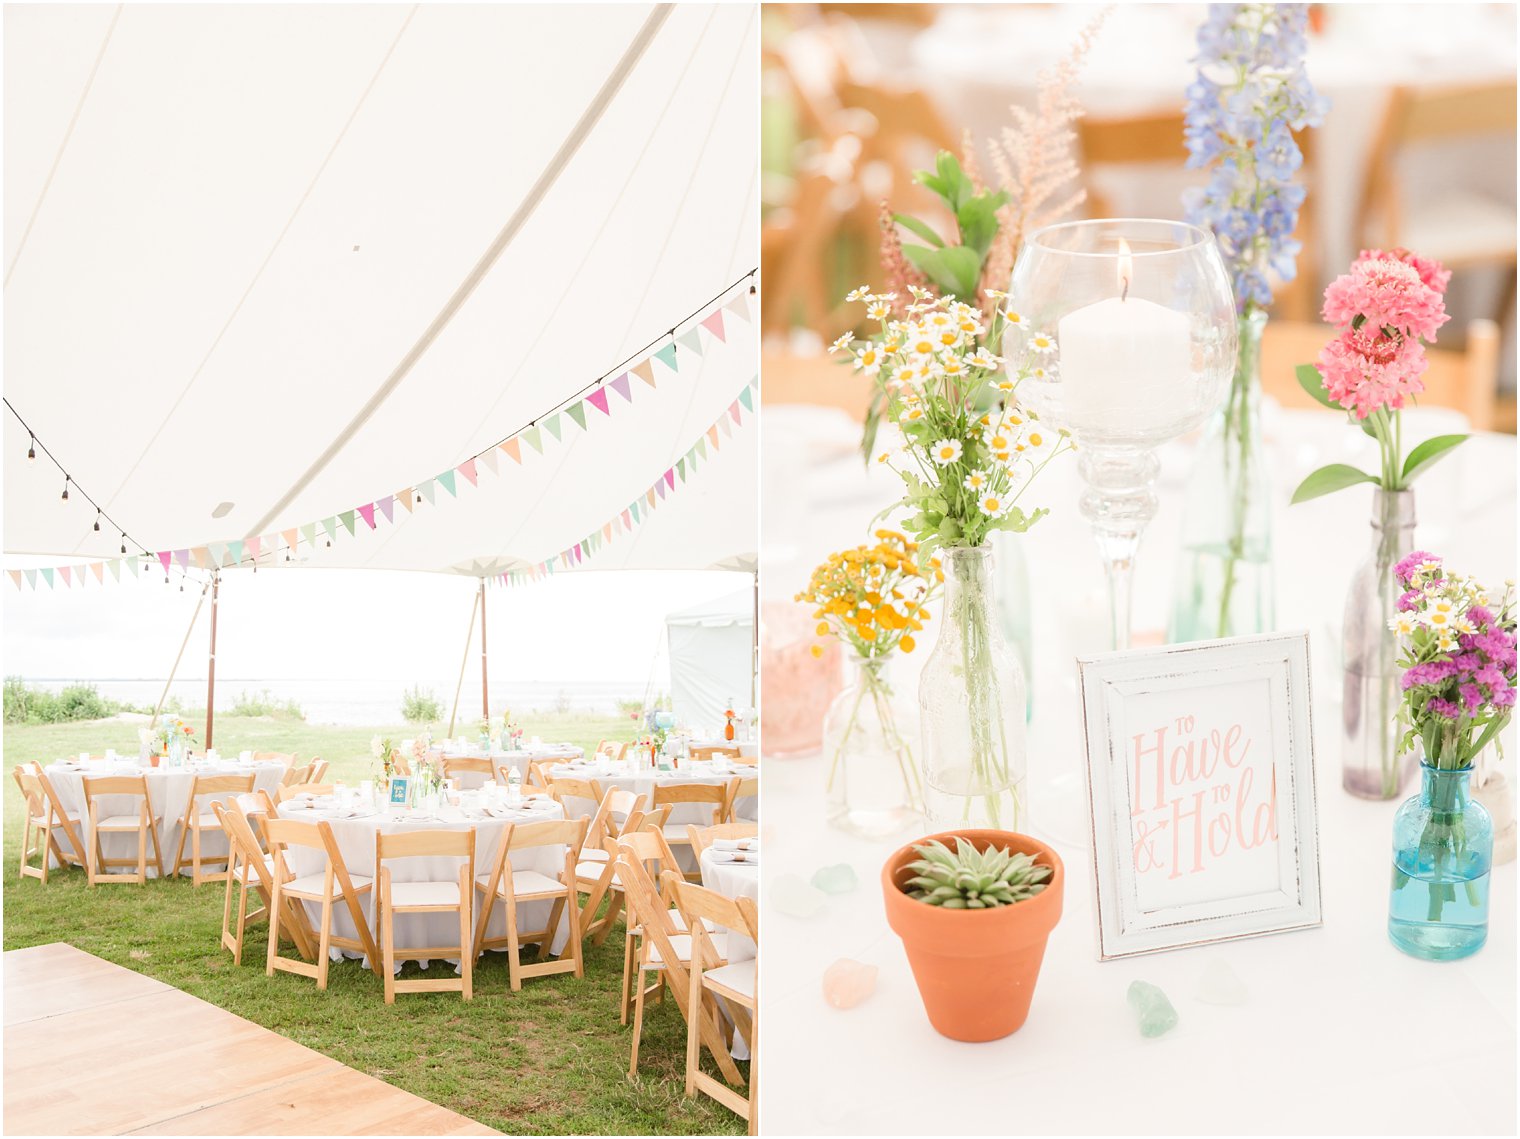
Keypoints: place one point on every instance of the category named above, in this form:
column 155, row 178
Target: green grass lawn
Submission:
column 552, row 1059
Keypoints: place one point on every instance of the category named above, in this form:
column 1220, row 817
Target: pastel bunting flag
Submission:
column 726, row 426
column 733, row 411
column 598, row 400
column 407, row 499
column 65, row 573
column 135, row 565
column 681, row 469
column 446, row 480
column 534, row 438
column 644, row 370
column 165, row 555
column 367, row 512
column 666, row 356
column 513, row 450
column 577, row 412
column 347, row 518
column 552, row 425
column 691, row 340
column 199, row 555
column 491, row 461
column 747, row 398
column 15, row 576
column 99, row 570
column 290, row 540
column 47, row 575
column 467, row 469
column 234, row 552
column 712, row 434
column 670, row 477
column 253, row 547
column 627, row 524
column 660, row 488
column 713, row 322
column 309, row 532
column 428, row 490
column 701, row 447
column 331, row 526
column 738, row 304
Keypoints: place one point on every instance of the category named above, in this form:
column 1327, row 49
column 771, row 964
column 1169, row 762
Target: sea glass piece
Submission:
column 837, row 879
column 792, row 896
column 1154, row 1012
column 846, row 983
column 1218, row 984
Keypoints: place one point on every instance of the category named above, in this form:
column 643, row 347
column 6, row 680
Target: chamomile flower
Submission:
column 911, row 415
column 878, row 310
column 1043, row 343
column 868, row 360
column 1446, row 642
column 921, row 342
column 993, row 505
column 843, row 344
column 1015, row 318
column 1041, row 373
column 976, row 481
column 946, row 451
column 1006, row 385
column 997, row 294
column 1438, row 620
column 953, row 366
column 983, row 358
column 1037, row 443
column 859, row 294
column 1403, row 625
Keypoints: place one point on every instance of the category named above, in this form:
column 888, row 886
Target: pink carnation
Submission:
column 1366, row 383
column 1385, row 293
column 1434, row 275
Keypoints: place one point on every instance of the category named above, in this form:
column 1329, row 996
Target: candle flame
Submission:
column 1126, row 269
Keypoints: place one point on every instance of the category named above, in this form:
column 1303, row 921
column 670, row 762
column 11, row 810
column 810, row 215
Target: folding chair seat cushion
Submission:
column 119, row 823
column 532, row 882
column 314, row 884
column 594, row 871
column 404, row 894
column 591, row 854
column 737, row 979
column 73, row 817
column 681, row 943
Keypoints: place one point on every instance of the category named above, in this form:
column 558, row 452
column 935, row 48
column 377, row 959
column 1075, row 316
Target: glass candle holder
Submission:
column 1124, row 330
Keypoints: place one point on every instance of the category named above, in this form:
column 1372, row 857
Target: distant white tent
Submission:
column 711, row 648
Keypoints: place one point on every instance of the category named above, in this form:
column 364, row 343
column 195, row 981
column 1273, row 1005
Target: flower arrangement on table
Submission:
column 511, row 732
column 170, row 734
column 382, row 750
column 1250, row 95
column 1458, row 656
column 871, row 598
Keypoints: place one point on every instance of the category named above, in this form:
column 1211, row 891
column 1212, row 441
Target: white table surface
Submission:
column 1341, row 1030
column 356, row 842
column 168, row 796
column 732, row 880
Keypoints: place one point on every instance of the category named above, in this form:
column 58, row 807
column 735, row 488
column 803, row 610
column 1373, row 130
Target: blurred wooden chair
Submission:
column 703, row 837
column 707, row 751
column 324, row 888
column 1154, row 141
column 200, row 817
column 317, row 771
column 44, row 815
column 433, row 896
column 1457, row 225
column 248, row 858
column 144, row 824
column 512, row 887
column 284, row 794
column 1467, row 380
column 741, row 790
column 620, row 812
column 579, row 797
column 479, row 770
column 711, row 795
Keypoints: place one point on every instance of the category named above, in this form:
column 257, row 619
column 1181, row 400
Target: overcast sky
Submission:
column 355, row 624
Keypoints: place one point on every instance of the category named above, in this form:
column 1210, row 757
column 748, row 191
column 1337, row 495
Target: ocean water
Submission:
column 340, row 701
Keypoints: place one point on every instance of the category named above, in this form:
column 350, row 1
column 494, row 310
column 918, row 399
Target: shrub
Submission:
column 264, row 704
column 420, row 706
column 27, row 705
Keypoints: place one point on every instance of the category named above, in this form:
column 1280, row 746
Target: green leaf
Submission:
column 1428, row 454
column 922, row 229
column 1327, row 480
column 954, row 269
column 1312, row 382
column 978, row 224
column 958, row 187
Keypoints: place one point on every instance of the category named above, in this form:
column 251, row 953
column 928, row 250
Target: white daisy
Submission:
column 878, row 310
column 868, row 360
column 953, row 366
column 946, row 451
column 859, row 294
column 975, row 481
column 911, row 415
column 1015, row 318
column 1043, row 343
column 1042, row 373
column 983, row 358
column 1402, row 624
column 843, row 344
column 993, row 505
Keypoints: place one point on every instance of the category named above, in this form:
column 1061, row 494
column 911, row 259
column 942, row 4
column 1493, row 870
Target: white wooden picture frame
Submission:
column 1200, row 763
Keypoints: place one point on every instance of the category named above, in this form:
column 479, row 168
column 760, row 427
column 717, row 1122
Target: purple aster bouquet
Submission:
column 1458, row 657
column 1250, row 95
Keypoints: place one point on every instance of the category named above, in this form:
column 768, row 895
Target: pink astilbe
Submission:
column 897, row 270
column 1035, row 160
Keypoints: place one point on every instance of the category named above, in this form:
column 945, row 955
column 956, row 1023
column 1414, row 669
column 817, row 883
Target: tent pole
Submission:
column 485, row 699
column 754, row 659
column 164, row 695
column 474, row 605
column 216, row 585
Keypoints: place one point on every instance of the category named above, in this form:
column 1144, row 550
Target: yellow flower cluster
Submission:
column 872, row 597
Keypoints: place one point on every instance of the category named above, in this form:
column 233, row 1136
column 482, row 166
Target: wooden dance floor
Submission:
column 92, row 1048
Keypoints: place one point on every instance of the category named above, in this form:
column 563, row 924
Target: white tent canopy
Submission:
column 711, row 653
column 240, row 245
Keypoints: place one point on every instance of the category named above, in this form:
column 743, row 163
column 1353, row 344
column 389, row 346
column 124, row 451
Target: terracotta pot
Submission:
column 976, row 969
column 155, row 760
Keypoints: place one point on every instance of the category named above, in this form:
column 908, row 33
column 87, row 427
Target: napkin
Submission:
column 732, row 844
column 736, row 857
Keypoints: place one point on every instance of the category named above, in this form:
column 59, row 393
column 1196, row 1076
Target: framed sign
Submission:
column 400, row 785
column 1200, row 763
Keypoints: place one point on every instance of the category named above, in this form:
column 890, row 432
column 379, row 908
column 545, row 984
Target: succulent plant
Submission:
column 972, row 879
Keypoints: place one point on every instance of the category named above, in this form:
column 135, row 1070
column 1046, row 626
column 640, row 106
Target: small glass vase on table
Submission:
column 871, row 599
column 1129, row 326
column 1458, row 654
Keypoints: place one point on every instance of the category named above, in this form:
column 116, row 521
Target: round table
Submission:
column 748, row 749
column 168, row 797
column 732, row 880
column 356, row 842
column 518, row 758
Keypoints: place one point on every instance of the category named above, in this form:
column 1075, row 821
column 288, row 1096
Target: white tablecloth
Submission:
column 168, row 795
column 356, row 842
column 748, row 749
column 733, row 880
column 1336, row 1016
column 518, row 758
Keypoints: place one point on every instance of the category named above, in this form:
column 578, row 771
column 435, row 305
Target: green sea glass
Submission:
column 1154, row 1012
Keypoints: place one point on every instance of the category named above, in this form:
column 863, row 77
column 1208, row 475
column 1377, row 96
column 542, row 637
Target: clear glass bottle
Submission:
column 1013, row 603
column 971, row 699
column 1224, row 586
column 1443, row 846
column 1373, row 765
column 873, row 783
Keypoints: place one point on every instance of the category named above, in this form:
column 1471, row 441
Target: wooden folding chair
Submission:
column 702, row 837
column 44, row 815
column 714, row 795
column 665, row 951
column 565, row 790
column 513, row 887
column 250, row 868
column 456, row 766
column 284, row 757
column 296, row 775
column 708, row 751
column 197, row 819
column 620, row 812
column 736, row 983
column 429, row 897
column 318, row 887
column 317, row 771
column 739, row 789
column 286, row 792
column 648, row 845
column 144, row 823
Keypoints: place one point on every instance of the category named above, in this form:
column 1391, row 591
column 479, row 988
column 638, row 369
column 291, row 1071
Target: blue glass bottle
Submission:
column 1443, row 846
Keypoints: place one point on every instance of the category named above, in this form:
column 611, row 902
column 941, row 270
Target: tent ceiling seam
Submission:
column 279, row 240
column 539, row 190
column 63, row 145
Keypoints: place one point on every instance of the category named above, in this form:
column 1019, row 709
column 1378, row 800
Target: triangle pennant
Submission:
column 164, row 556
column 681, row 469
column 633, row 508
column 115, row 564
column 331, row 526
column 644, row 370
column 552, row 423
column 15, row 576
column 135, row 565
column 467, row 469
column 253, row 548
column 660, row 488
column 428, row 490
column 513, row 449
column 649, row 496
column 309, row 532
column 713, row 322
column 627, row 523
column 607, row 531
column 63, row 572
column 347, row 518
column 367, row 512
column 577, row 412
column 691, row 340
column 733, row 411
column 31, row 578
column 747, row 398
column 234, row 552
column 406, row 498
column 701, row 448
column 670, row 477
column 534, row 439
column 99, row 570
column 47, row 575
column 387, row 507
column 490, row 460
column 447, row 481
column 712, row 433
column 739, row 305
column 290, row 541
column 727, row 428
column 666, row 356
column 598, row 400
column 198, row 555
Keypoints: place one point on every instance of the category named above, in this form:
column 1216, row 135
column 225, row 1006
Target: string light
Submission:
column 97, row 520
column 124, row 543
column 65, row 488
column 31, row 448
